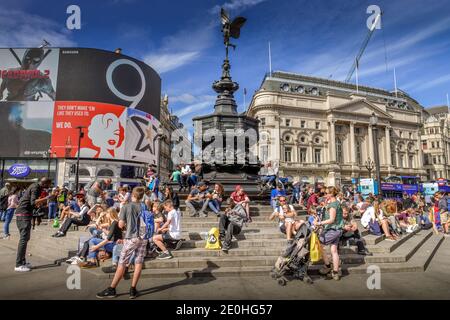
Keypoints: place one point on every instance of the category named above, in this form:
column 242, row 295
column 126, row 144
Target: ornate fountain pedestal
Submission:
column 237, row 162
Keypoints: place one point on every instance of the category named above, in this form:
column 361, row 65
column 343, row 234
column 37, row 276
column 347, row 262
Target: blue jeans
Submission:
column 2, row 215
column 96, row 233
column 274, row 203
column 8, row 217
column 52, row 210
column 424, row 218
column 214, row 205
column 268, row 179
column 95, row 241
column 192, row 181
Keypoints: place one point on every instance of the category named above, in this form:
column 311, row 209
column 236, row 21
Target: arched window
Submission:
column 84, row 172
column 105, row 173
column 339, row 153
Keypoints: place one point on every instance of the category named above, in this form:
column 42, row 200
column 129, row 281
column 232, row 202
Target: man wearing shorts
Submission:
column 170, row 231
column 443, row 211
column 134, row 243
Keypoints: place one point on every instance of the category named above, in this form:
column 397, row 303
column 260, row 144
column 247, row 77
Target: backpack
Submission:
column 148, row 224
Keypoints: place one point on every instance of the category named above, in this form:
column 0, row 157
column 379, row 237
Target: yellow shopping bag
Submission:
column 212, row 242
column 315, row 249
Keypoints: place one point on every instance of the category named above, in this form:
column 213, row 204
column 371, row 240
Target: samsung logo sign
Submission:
column 19, row 171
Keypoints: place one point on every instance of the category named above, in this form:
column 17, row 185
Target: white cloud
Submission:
column 164, row 62
column 188, row 98
column 193, row 108
column 188, row 44
column 21, row 29
column 236, row 5
column 430, row 84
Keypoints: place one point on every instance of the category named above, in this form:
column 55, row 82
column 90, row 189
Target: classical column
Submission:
column 332, row 142
column 419, row 153
column 370, row 141
column 352, row 143
column 388, row 145
column 310, row 154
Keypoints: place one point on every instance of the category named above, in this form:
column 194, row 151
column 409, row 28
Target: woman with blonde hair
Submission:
column 107, row 244
column 333, row 224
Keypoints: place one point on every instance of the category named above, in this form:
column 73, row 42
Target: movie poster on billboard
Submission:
column 141, row 137
column 103, row 127
column 25, row 128
column 104, row 76
column 28, row 74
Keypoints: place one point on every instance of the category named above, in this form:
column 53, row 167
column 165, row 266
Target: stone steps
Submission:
column 255, row 252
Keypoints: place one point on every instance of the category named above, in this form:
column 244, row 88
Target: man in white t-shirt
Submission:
column 170, row 231
column 185, row 174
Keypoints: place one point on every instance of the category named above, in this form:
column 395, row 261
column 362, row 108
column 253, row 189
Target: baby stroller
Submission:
column 295, row 259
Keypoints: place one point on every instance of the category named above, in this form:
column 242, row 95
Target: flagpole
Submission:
column 270, row 61
column 395, row 83
column 357, row 80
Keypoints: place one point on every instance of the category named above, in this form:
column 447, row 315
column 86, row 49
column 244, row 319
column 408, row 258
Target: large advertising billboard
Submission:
column 25, row 128
column 45, row 93
column 28, row 74
column 110, row 132
column 103, row 76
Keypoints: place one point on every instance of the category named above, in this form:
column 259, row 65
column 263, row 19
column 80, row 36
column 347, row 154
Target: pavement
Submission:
column 47, row 282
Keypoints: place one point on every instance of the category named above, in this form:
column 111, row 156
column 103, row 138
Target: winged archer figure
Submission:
column 230, row 28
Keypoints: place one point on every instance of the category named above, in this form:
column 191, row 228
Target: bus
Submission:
column 396, row 186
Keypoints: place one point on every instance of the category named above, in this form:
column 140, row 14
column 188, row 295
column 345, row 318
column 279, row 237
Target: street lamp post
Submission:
column 373, row 123
column 160, row 136
column 369, row 166
column 77, row 177
column 49, row 155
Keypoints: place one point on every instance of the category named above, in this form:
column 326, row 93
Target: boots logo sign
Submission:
column 19, row 171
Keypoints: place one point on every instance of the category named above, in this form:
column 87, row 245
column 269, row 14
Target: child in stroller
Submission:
column 295, row 260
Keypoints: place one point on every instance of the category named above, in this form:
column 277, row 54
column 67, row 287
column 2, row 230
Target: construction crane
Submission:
column 363, row 48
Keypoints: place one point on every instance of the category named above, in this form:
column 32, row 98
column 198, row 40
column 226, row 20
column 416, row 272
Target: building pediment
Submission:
column 361, row 107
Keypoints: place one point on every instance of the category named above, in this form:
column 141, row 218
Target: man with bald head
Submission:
column 24, row 214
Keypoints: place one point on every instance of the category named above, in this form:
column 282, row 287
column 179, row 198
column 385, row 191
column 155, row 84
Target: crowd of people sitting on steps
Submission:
column 117, row 222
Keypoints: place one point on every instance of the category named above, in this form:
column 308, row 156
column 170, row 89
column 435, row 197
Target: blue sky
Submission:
column 182, row 40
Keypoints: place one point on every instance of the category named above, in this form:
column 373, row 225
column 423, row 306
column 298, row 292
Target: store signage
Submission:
column 19, row 170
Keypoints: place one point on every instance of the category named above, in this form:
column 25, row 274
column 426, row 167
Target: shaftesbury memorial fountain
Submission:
column 228, row 140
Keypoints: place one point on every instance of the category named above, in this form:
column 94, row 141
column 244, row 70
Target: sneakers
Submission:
column 164, row 256
column 133, row 293
column 22, row 269
column 75, row 260
column 59, row 234
column 178, row 245
column 203, row 215
column 107, row 293
column 225, row 249
column 5, row 237
column 195, row 214
column 364, row 253
column 325, row 270
column 335, row 275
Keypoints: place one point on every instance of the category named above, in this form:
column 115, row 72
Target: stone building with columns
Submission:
column 319, row 130
column 436, row 143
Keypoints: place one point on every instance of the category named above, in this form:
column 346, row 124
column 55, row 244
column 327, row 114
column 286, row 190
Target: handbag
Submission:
column 315, row 248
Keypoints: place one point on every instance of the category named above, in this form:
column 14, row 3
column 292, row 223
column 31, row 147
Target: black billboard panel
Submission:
column 108, row 77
